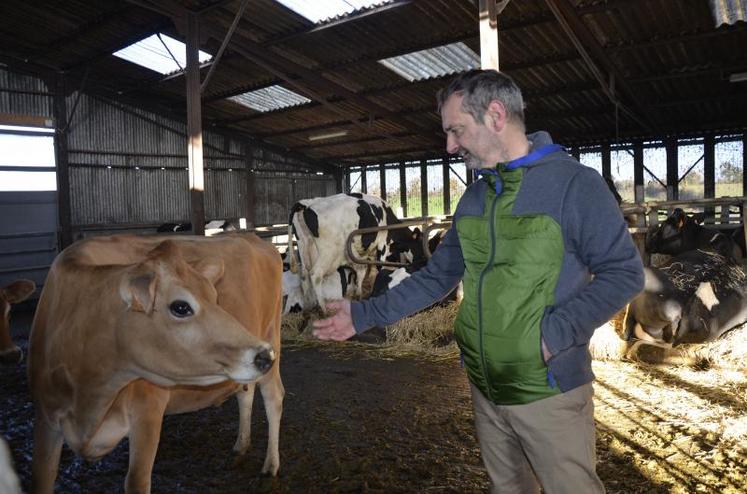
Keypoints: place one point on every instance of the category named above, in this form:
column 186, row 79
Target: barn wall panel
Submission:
column 24, row 95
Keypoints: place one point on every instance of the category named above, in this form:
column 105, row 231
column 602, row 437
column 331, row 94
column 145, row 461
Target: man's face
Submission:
column 465, row 136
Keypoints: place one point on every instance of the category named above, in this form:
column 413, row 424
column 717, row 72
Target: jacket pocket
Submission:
column 543, row 329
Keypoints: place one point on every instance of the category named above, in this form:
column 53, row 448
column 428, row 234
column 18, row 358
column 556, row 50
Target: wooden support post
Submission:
column 488, row 15
column 347, row 181
column 470, row 175
column 251, row 188
column 364, row 181
column 194, row 127
column 382, row 181
column 673, row 169
column 423, row 188
column 744, row 162
column 709, row 174
column 606, row 161
column 403, row 188
column 638, row 171
column 64, row 208
column 447, row 185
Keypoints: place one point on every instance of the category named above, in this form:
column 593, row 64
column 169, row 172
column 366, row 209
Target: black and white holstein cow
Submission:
column 695, row 299
column 680, row 233
column 322, row 226
column 411, row 252
column 341, row 284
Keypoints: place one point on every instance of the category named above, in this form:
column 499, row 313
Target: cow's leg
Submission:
column 46, row 461
column 629, row 323
column 245, row 397
column 146, row 418
column 361, row 273
column 272, row 394
column 317, row 281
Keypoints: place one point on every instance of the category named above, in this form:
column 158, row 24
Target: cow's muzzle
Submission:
column 264, row 360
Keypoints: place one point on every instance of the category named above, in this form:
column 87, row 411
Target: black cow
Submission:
column 695, row 299
column 680, row 233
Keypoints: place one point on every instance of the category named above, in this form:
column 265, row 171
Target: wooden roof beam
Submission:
column 333, row 143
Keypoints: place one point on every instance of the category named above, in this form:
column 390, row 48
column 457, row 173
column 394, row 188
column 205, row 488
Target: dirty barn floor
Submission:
column 357, row 423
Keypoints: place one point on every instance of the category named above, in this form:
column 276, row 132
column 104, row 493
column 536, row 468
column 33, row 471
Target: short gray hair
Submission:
column 479, row 88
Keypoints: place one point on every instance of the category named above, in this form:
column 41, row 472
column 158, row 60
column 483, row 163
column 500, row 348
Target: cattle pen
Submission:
column 121, row 121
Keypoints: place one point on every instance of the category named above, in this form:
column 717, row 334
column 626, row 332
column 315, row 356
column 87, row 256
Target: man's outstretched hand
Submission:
column 338, row 327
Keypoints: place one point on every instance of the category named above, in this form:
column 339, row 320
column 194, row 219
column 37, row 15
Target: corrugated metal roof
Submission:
column 728, row 11
column 270, row 98
column 433, row 62
column 318, row 11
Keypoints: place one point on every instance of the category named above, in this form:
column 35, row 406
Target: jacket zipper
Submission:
column 487, row 268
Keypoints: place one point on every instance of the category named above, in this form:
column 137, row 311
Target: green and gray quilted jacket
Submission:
column 544, row 253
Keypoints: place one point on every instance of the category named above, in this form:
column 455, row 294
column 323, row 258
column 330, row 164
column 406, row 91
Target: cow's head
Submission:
column 16, row 292
column 655, row 313
column 172, row 329
column 405, row 245
column 669, row 238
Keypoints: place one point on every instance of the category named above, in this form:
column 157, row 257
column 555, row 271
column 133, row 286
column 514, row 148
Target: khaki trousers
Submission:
column 548, row 443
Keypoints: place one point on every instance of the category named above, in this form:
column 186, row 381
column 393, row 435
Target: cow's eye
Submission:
column 181, row 309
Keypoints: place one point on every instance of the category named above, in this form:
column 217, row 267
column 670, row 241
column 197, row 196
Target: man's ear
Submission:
column 138, row 290
column 496, row 115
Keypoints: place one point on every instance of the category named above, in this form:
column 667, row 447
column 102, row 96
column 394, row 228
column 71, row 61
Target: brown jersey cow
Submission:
column 131, row 328
column 16, row 292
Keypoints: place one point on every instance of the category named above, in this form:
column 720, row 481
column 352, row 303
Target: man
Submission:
column 546, row 258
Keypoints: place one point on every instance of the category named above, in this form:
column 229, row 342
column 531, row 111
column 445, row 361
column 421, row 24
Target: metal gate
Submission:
column 28, row 236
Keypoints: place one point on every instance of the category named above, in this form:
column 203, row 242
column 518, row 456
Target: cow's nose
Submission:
column 263, row 360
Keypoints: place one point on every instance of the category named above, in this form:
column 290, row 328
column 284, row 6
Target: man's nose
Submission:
column 451, row 145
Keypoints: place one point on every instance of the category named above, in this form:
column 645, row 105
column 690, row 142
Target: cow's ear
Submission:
column 212, row 269
column 18, row 291
column 139, row 292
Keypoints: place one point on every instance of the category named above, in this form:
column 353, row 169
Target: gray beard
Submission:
column 472, row 163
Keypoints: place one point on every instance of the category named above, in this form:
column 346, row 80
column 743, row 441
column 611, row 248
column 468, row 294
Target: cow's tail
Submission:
column 292, row 256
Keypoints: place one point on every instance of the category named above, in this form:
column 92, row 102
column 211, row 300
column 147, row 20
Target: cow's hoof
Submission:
column 11, row 357
column 270, row 468
column 239, row 461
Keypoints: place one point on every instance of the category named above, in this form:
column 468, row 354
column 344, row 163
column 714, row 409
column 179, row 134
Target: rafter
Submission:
column 609, row 78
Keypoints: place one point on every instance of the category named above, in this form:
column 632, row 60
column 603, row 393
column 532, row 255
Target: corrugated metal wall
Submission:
column 128, row 167
column 23, row 95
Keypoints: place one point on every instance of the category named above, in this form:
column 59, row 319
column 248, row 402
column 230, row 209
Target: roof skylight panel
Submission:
column 320, row 10
column 270, row 98
column 433, row 62
column 155, row 53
